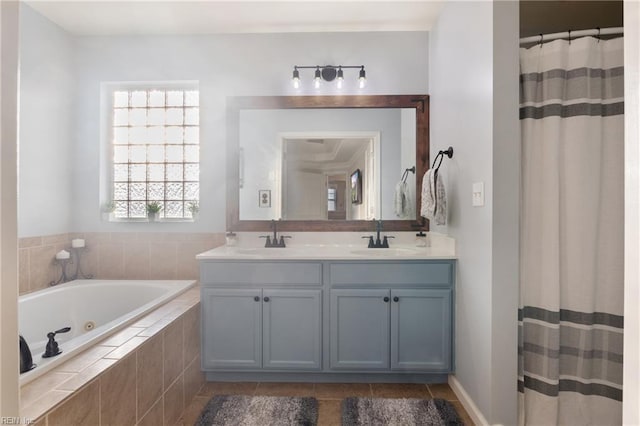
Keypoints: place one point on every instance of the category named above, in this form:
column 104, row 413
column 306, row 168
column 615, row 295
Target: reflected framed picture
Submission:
column 356, row 187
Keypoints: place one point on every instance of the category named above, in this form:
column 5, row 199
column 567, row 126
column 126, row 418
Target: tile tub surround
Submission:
column 115, row 255
column 145, row 374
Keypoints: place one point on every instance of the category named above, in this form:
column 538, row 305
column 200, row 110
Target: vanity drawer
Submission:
column 261, row 273
column 392, row 273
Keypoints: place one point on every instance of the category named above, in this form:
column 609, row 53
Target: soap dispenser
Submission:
column 421, row 239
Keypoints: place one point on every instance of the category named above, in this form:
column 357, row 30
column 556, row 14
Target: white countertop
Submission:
column 305, row 246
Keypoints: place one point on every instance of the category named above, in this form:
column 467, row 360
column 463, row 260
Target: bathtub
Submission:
column 94, row 309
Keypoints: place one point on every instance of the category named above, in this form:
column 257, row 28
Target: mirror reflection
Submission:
column 324, row 164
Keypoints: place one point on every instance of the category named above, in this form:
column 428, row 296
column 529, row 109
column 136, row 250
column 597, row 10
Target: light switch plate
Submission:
column 477, row 194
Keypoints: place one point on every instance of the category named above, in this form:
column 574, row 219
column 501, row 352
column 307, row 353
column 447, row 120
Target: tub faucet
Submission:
column 52, row 348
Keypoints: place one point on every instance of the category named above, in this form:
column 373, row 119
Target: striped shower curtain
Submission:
column 571, row 253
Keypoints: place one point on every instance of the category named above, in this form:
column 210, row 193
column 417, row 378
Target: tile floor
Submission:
column 329, row 395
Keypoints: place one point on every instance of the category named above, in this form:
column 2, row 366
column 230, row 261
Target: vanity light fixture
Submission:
column 328, row 73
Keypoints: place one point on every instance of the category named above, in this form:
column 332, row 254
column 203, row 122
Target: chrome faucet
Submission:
column 271, row 243
column 378, row 243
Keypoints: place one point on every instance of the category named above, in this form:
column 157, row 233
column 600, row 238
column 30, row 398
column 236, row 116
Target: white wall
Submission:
column 46, row 126
column 467, row 100
column 9, row 363
column 631, row 367
column 225, row 65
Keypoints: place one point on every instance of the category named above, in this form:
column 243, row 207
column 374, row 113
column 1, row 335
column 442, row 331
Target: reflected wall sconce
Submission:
column 328, row 73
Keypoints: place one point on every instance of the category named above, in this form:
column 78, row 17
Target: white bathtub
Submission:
column 109, row 304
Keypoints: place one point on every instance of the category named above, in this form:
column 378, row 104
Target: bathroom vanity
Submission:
column 327, row 314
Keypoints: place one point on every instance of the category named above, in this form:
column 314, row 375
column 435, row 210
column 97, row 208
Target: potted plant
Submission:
column 107, row 210
column 153, row 210
column 194, row 208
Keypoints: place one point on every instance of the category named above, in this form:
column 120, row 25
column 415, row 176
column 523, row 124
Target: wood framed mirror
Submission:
column 238, row 169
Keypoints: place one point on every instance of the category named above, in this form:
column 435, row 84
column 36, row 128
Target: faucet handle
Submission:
column 282, row 237
column 371, row 244
column 268, row 242
column 385, row 242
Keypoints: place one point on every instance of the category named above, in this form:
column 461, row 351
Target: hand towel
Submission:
column 434, row 199
column 402, row 203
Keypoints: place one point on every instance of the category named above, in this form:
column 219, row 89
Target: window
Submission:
column 155, row 146
column 331, row 198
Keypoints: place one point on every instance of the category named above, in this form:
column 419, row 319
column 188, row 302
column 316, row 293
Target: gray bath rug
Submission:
column 238, row 410
column 398, row 412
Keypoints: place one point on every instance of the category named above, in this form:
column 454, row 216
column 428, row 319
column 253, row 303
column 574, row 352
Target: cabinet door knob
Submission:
column 257, row 299
column 396, row 298
column 266, row 299
column 386, row 299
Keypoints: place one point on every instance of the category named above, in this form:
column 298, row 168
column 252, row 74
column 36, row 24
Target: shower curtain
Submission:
column 571, row 252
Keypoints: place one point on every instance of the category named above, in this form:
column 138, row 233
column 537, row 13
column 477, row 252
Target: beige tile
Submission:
column 191, row 344
column 41, row 422
column 29, row 242
column 155, row 416
column 85, row 376
column 48, row 400
column 193, row 410
column 173, row 364
column 154, row 316
column 84, row 359
column 111, row 260
column 126, row 237
column 227, row 388
column 41, row 267
column 23, row 271
column 400, row 390
column 285, row 389
column 97, row 237
column 186, row 259
column 74, row 235
column 442, row 391
column 83, row 408
column 342, row 390
column 329, row 412
column 126, row 348
column 193, row 380
column 56, row 239
column 149, row 373
column 136, row 260
column 118, row 393
column 464, row 416
column 122, row 336
column 89, row 261
column 156, row 328
column 174, row 402
column 162, row 264
column 34, row 390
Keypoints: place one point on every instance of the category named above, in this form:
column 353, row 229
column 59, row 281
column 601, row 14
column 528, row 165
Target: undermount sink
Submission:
column 383, row 252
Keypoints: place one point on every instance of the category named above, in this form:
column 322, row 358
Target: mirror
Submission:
column 324, row 163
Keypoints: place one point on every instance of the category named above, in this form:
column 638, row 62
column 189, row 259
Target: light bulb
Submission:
column 296, row 78
column 340, row 78
column 362, row 79
column 316, row 80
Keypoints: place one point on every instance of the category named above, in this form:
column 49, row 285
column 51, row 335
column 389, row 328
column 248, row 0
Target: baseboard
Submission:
column 466, row 401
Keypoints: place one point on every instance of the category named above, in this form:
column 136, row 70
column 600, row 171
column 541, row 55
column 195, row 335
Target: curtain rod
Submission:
column 573, row 34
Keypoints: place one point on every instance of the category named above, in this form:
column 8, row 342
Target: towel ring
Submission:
column 448, row 152
column 406, row 173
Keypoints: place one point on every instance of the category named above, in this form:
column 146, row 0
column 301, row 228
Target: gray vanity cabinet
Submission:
column 421, row 329
column 261, row 316
column 359, row 336
column 232, row 320
column 406, row 329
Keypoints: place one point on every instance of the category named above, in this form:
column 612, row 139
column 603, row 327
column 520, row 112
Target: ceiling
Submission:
column 236, row 16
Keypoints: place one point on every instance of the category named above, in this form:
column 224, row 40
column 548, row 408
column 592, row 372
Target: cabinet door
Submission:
column 421, row 330
column 292, row 329
column 359, row 332
column 231, row 328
